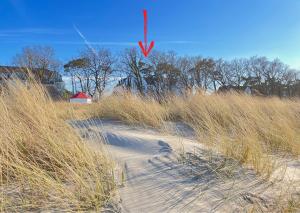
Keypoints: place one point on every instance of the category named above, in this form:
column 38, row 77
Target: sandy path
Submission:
column 157, row 181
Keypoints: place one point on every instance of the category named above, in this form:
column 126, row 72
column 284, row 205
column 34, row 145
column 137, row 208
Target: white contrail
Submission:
column 85, row 40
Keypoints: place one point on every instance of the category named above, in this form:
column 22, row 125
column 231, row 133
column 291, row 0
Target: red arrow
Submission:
column 145, row 49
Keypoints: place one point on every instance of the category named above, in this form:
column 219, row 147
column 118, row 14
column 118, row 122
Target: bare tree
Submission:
column 98, row 68
column 135, row 67
column 185, row 65
column 92, row 70
column 77, row 70
column 289, row 79
column 238, row 69
column 166, row 73
column 202, row 72
column 39, row 60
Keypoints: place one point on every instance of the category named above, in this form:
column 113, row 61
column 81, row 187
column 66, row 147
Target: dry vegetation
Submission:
column 44, row 164
column 250, row 129
column 245, row 128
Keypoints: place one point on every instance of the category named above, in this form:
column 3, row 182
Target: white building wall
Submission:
column 80, row 101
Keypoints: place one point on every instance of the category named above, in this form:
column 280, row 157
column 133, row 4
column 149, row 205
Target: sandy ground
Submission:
column 173, row 173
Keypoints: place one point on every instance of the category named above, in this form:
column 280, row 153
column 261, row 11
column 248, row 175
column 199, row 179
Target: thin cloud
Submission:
column 98, row 43
column 105, row 43
column 119, row 43
column 39, row 31
column 11, row 33
column 179, row 42
column 5, row 35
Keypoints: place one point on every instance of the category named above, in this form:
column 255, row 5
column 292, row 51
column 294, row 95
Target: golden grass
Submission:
column 73, row 111
column 44, row 164
column 133, row 110
column 250, row 129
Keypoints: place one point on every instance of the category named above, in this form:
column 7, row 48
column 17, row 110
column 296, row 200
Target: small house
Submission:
column 81, row 98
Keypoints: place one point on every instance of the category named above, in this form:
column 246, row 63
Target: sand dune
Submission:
column 173, row 173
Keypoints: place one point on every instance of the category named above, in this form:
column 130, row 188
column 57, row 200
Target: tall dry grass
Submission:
column 132, row 109
column 252, row 130
column 44, row 164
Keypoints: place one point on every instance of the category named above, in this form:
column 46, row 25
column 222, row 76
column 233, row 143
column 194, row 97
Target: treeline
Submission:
column 163, row 73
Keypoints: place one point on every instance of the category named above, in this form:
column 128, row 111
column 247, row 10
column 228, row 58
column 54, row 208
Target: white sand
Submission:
column 157, row 182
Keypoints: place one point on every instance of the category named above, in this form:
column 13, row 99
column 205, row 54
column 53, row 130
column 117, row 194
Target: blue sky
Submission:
column 217, row 28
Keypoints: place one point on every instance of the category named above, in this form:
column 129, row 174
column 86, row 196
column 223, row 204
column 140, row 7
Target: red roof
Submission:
column 81, row 95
